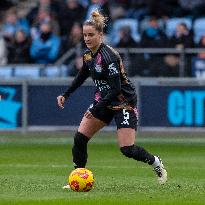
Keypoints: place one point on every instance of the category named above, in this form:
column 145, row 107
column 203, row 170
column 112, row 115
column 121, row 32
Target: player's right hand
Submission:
column 61, row 101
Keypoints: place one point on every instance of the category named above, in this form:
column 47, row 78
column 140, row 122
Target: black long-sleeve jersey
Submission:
column 106, row 69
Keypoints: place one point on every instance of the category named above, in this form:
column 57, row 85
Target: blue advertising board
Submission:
column 43, row 109
column 10, row 106
column 172, row 106
column 160, row 106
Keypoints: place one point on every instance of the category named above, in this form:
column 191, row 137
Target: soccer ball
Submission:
column 81, row 180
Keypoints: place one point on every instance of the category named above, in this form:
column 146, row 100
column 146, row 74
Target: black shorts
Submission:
column 123, row 118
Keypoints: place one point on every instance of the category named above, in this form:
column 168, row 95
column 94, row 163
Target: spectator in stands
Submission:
column 182, row 38
column 44, row 16
column 6, row 4
column 70, row 13
column 52, row 6
column 21, row 48
column 45, row 48
column 162, row 8
column 126, row 41
column 13, row 23
column 74, row 39
column 118, row 8
column 3, row 51
column 193, row 8
column 153, row 37
column 137, row 9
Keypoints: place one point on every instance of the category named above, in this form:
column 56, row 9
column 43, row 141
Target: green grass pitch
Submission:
column 34, row 167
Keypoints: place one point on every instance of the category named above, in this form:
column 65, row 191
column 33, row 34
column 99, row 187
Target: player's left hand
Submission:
column 88, row 114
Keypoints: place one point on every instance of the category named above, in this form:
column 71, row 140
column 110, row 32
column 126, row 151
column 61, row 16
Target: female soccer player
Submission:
column 115, row 97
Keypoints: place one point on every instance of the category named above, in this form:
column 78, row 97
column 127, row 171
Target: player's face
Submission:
column 92, row 37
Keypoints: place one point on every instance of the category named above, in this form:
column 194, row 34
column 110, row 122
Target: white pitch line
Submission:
column 102, row 140
column 93, row 166
column 62, row 166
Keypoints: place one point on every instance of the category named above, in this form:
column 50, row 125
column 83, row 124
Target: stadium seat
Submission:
column 27, row 71
column 52, row 71
column 118, row 24
column 6, row 71
column 199, row 29
column 172, row 23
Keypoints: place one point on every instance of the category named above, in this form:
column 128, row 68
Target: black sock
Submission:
column 79, row 150
column 138, row 153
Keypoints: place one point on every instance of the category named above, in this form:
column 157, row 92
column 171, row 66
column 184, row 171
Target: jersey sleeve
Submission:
column 80, row 78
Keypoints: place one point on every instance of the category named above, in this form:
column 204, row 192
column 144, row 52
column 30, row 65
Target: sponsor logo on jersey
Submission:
column 112, row 69
column 102, row 85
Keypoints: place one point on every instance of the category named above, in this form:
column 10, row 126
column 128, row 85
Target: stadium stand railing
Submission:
column 59, row 68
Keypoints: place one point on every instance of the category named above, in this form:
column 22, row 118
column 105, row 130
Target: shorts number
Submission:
column 126, row 117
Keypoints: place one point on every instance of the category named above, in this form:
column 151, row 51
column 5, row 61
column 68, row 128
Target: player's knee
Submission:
column 127, row 151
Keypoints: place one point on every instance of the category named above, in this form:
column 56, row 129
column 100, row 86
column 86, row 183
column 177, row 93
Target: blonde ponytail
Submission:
column 97, row 20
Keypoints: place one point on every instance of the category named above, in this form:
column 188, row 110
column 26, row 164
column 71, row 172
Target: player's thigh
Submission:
column 89, row 127
column 126, row 121
column 126, row 136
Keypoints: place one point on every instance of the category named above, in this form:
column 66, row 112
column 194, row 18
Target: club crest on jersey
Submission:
column 112, row 69
column 87, row 57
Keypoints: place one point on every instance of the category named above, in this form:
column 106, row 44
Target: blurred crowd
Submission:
column 48, row 30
